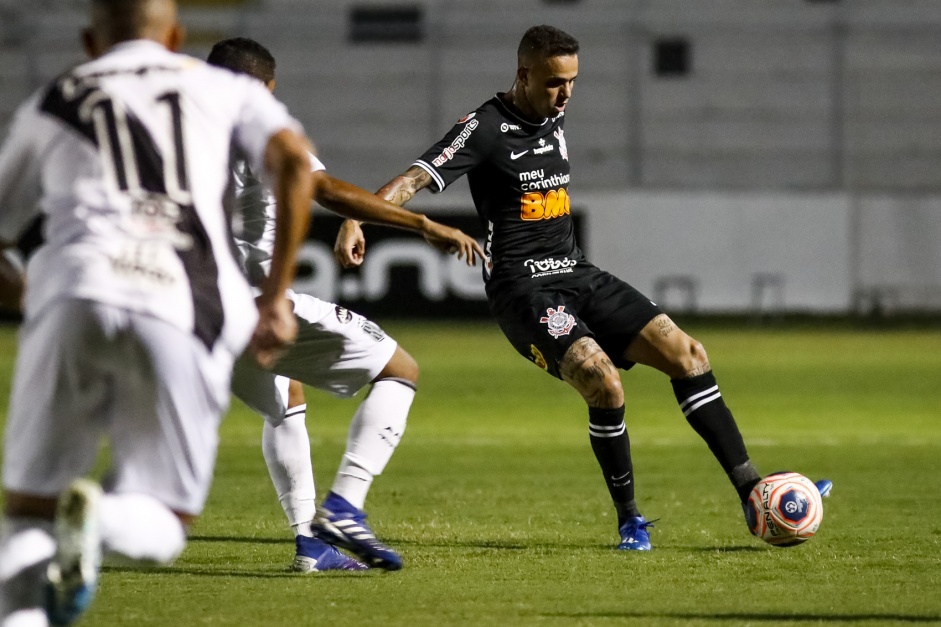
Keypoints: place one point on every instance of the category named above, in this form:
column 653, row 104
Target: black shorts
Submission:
column 543, row 317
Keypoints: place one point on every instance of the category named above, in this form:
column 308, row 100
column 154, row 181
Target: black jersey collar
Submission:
column 511, row 110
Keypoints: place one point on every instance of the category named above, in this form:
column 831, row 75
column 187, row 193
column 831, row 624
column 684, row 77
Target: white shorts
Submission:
column 86, row 370
column 337, row 351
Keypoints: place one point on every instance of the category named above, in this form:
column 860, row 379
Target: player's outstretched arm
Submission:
column 355, row 203
column 403, row 188
column 453, row 242
column 359, row 205
column 287, row 160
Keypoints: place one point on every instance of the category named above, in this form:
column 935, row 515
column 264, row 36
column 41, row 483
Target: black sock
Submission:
column 612, row 449
column 744, row 477
column 702, row 404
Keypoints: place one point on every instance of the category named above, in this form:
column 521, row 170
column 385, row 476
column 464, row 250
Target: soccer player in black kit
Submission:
column 575, row 321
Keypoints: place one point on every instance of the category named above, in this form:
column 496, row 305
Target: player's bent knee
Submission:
column 692, row 362
column 295, row 394
column 598, row 381
column 698, row 352
column 402, row 366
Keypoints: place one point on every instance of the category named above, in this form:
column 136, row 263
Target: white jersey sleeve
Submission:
column 255, row 204
column 260, row 117
column 20, row 172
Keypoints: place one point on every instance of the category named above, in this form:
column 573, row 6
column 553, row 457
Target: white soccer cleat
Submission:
column 73, row 572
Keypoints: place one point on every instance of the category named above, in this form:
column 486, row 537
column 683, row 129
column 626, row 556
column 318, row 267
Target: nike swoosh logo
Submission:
column 617, row 481
column 516, row 155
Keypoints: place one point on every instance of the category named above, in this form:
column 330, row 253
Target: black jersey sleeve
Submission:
column 465, row 146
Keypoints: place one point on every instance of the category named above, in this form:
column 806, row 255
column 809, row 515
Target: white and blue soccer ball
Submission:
column 787, row 509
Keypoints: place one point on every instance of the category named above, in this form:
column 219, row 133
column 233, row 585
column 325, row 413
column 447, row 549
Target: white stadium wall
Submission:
column 791, row 94
column 761, row 252
column 739, row 252
column 766, row 252
column 795, row 165
column 898, row 262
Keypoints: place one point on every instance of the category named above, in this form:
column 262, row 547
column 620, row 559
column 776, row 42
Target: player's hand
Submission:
column 275, row 331
column 452, row 241
column 350, row 247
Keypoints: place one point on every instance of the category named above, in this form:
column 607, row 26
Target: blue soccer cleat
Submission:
column 338, row 523
column 634, row 534
column 73, row 572
column 824, row 487
column 315, row 556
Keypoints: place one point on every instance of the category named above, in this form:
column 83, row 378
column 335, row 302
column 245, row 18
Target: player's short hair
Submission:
column 244, row 56
column 126, row 19
column 545, row 42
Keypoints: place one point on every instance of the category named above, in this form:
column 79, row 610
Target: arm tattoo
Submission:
column 402, row 188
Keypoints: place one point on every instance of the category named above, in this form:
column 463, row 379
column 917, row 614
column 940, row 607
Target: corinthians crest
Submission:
column 559, row 322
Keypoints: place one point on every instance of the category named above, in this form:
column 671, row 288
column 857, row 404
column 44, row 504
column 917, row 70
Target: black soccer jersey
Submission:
column 518, row 173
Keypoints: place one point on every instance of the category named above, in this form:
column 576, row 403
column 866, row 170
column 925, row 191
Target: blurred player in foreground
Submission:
column 337, row 351
column 136, row 308
column 573, row 320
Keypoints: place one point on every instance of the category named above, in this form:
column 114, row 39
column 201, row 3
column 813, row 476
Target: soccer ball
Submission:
column 785, row 509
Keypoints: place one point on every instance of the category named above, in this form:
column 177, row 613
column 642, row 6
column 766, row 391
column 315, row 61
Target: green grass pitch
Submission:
column 502, row 517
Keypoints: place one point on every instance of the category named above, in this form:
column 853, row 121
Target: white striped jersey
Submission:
column 128, row 158
column 256, row 207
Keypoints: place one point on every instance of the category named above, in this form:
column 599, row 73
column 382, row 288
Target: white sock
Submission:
column 33, row 617
column 287, row 454
column 375, row 431
column 26, row 547
column 141, row 529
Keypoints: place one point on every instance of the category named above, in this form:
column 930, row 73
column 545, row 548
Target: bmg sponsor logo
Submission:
column 545, row 206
